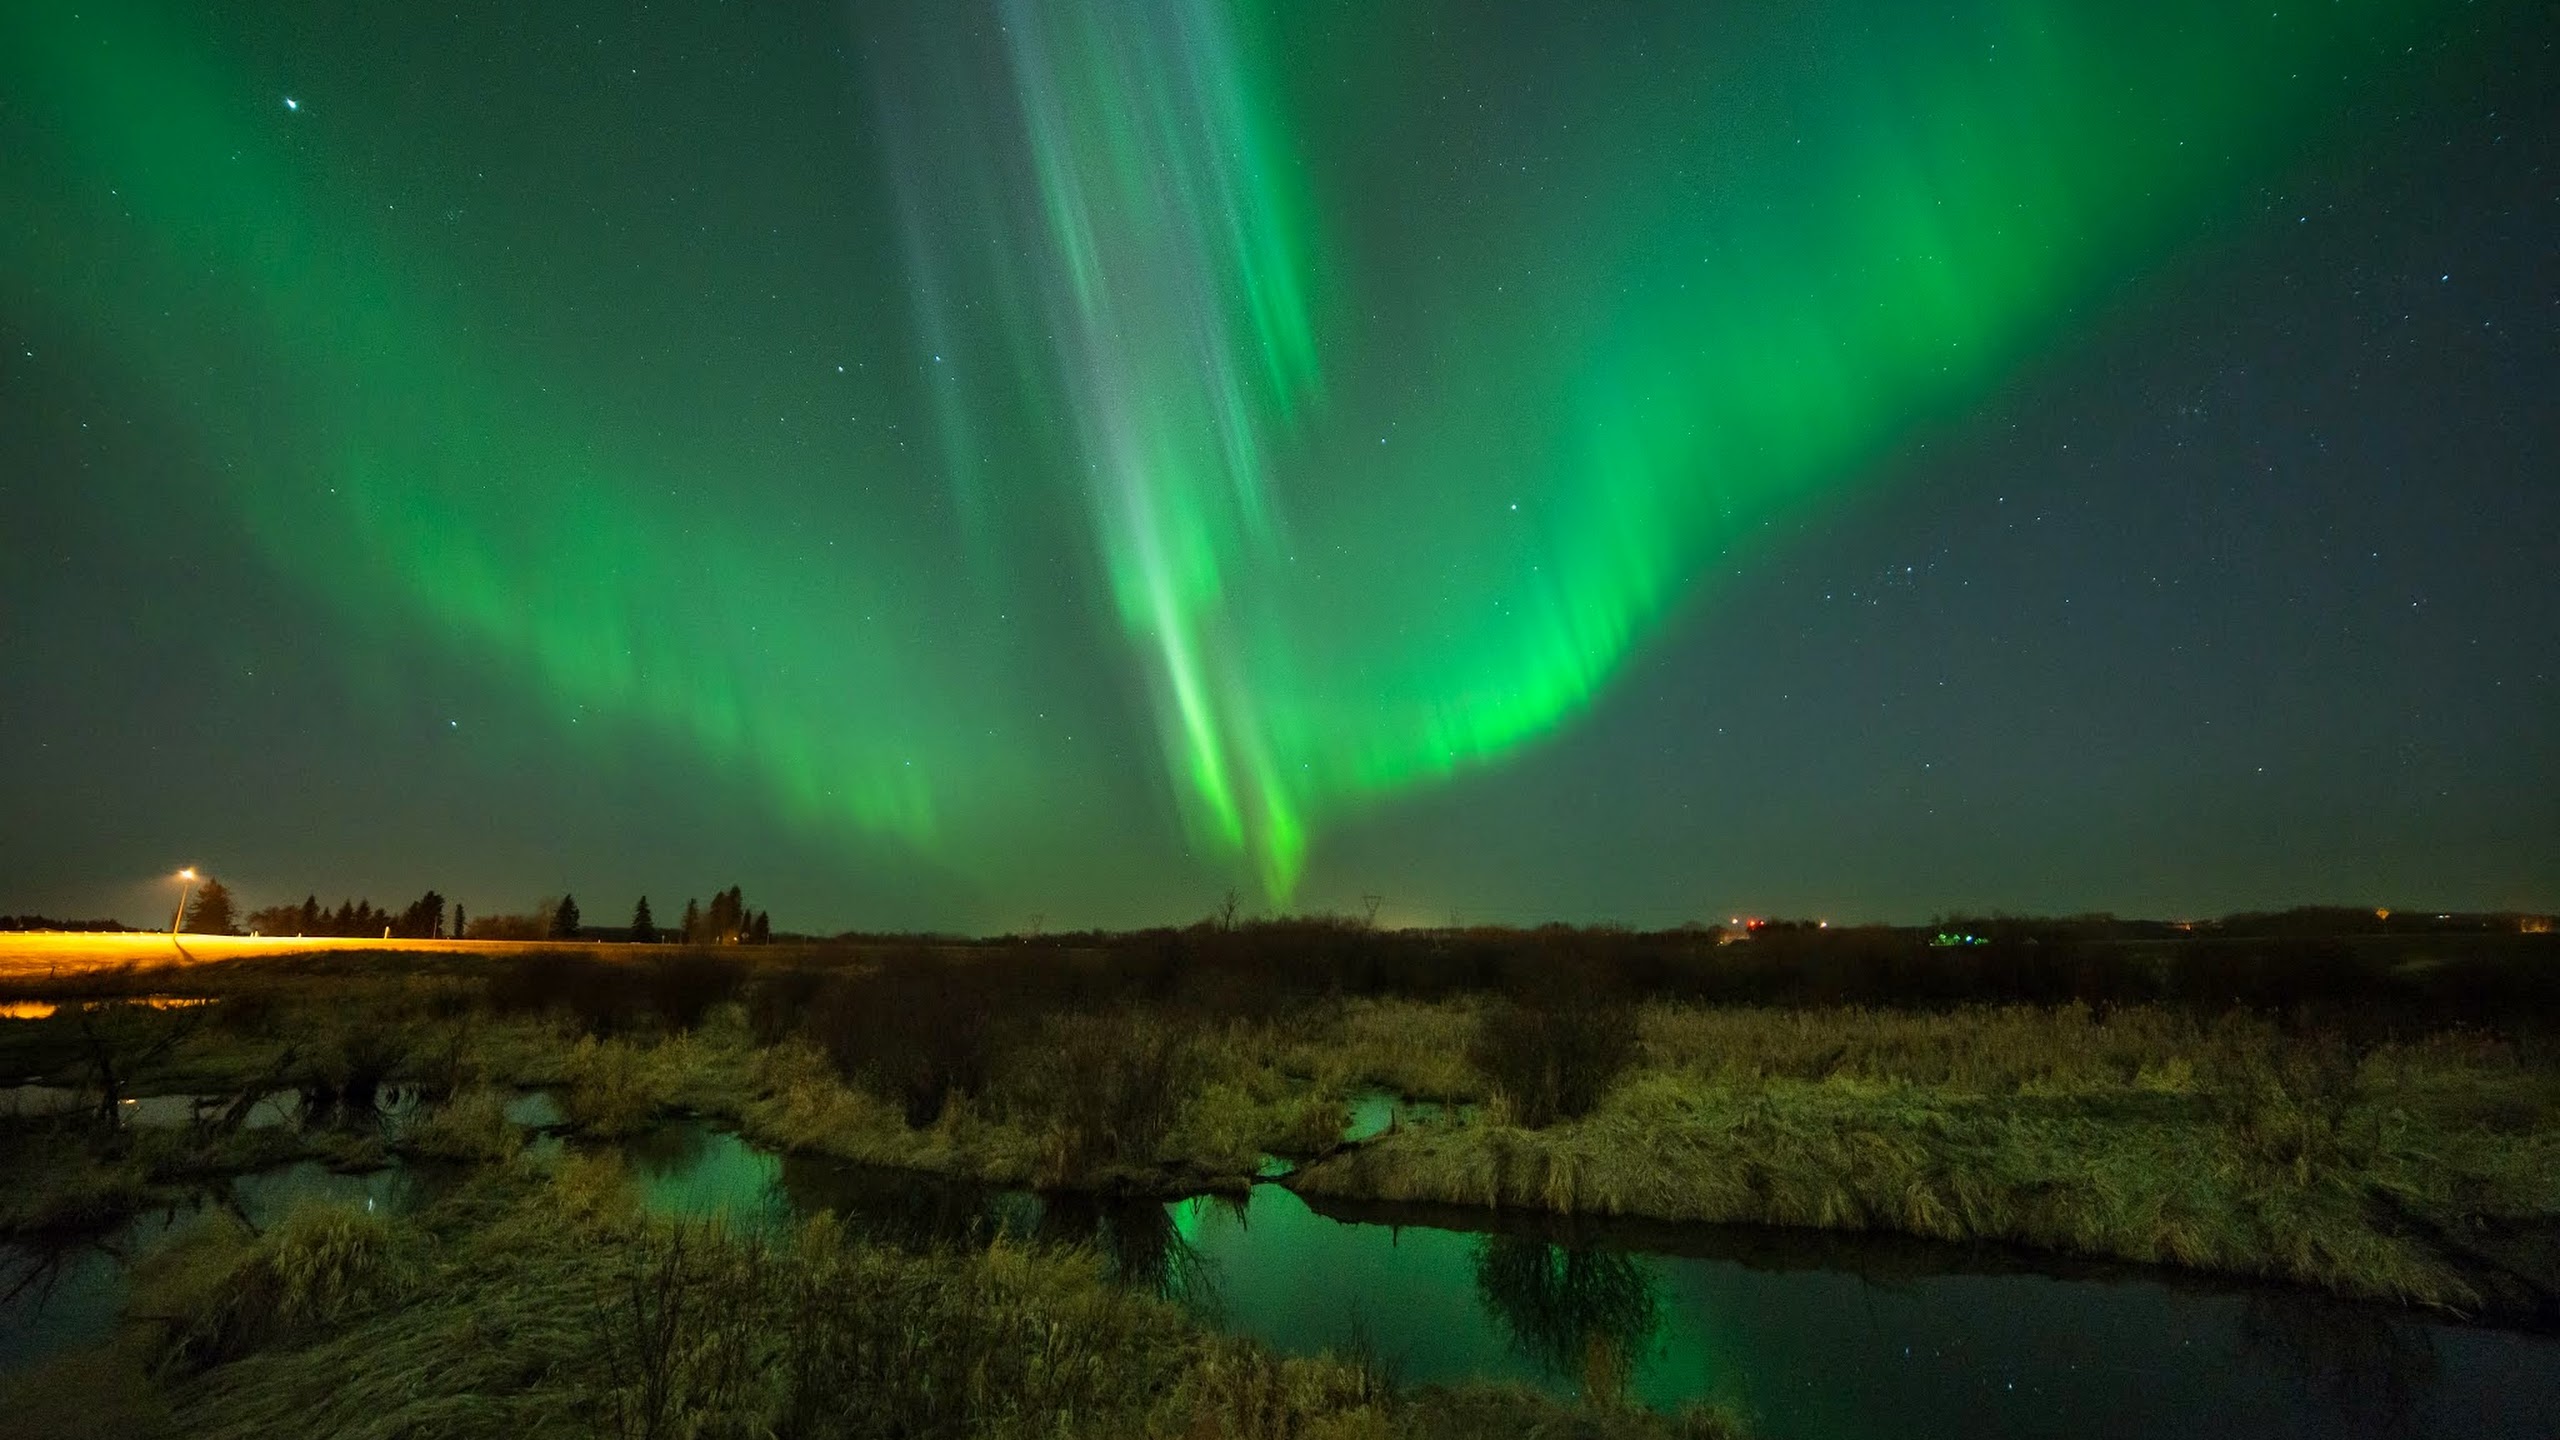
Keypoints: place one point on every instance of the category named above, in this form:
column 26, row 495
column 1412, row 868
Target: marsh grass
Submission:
column 66, row 1176
column 616, row 1087
column 471, row 1125
column 532, row 1307
column 2386, row 1153
column 2223, row 1148
column 66, row 1181
column 228, row 1293
column 101, row 1393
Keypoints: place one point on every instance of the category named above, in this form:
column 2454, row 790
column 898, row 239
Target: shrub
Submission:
column 353, row 1060
column 1554, row 1060
column 684, row 986
column 916, row 1031
column 596, row 993
column 1106, row 1087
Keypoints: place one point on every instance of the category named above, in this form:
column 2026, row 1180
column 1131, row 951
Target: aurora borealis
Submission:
column 973, row 461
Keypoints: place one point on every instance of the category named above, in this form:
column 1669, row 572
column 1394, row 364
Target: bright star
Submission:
column 292, row 104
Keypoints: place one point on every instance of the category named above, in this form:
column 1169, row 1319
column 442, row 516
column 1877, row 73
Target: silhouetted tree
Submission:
column 274, row 920
column 761, row 933
column 424, row 919
column 564, row 921
column 211, row 912
column 644, row 927
column 308, row 923
column 458, row 920
column 726, row 922
column 692, row 922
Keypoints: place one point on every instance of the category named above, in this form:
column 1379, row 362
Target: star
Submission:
column 292, row 104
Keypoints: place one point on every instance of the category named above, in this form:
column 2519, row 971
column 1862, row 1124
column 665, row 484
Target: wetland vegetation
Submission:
column 2376, row 1117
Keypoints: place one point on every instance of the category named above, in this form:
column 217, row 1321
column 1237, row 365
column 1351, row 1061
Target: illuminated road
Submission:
column 35, row 955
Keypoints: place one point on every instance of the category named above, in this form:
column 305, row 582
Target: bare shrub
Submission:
column 1107, row 1089
column 915, row 1031
column 1554, row 1058
column 679, row 1327
column 683, row 987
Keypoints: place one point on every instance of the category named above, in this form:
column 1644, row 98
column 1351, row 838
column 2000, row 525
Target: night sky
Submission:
column 942, row 464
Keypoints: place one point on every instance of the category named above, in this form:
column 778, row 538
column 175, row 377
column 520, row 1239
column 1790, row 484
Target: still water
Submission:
column 63, row 1293
column 1814, row 1337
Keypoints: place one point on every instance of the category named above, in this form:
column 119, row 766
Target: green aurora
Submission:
column 1366, row 496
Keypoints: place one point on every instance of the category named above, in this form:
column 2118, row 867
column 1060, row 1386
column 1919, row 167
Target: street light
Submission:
column 185, row 892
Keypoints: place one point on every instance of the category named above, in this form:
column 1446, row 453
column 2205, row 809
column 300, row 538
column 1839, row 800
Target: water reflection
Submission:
column 60, row 1291
column 691, row 1169
column 2355, row 1359
column 1813, row 1335
column 1136, row 1238
column 1584, row 1316
column 909, row 1211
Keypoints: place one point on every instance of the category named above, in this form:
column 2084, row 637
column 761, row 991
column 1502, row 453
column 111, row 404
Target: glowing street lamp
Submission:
column 185, row 892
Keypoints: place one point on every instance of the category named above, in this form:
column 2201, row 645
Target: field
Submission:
column 2380, row 1121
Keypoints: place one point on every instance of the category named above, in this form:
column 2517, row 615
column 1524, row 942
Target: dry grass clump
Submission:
column 234, row 1295
column 472, row 1125
column 1227, row 1126
column 1524, row 1414
column 615, row 1086
column 1115, row 1100
column 1407, row 1046
column 802, row 1103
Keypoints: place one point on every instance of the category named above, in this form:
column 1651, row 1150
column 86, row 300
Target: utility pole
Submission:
column 186, row 892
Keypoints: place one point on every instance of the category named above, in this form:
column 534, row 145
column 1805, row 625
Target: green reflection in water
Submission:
column 1445, row 1305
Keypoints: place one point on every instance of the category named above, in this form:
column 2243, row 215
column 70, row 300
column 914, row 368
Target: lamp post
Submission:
column 186, row 891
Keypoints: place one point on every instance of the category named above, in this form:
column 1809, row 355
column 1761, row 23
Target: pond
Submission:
column 1811, row 1335
column 60, row 1293
column 391, row 1107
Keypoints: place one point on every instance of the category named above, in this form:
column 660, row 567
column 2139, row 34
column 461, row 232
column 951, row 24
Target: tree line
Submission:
column 422, row 919
column 726, row 921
